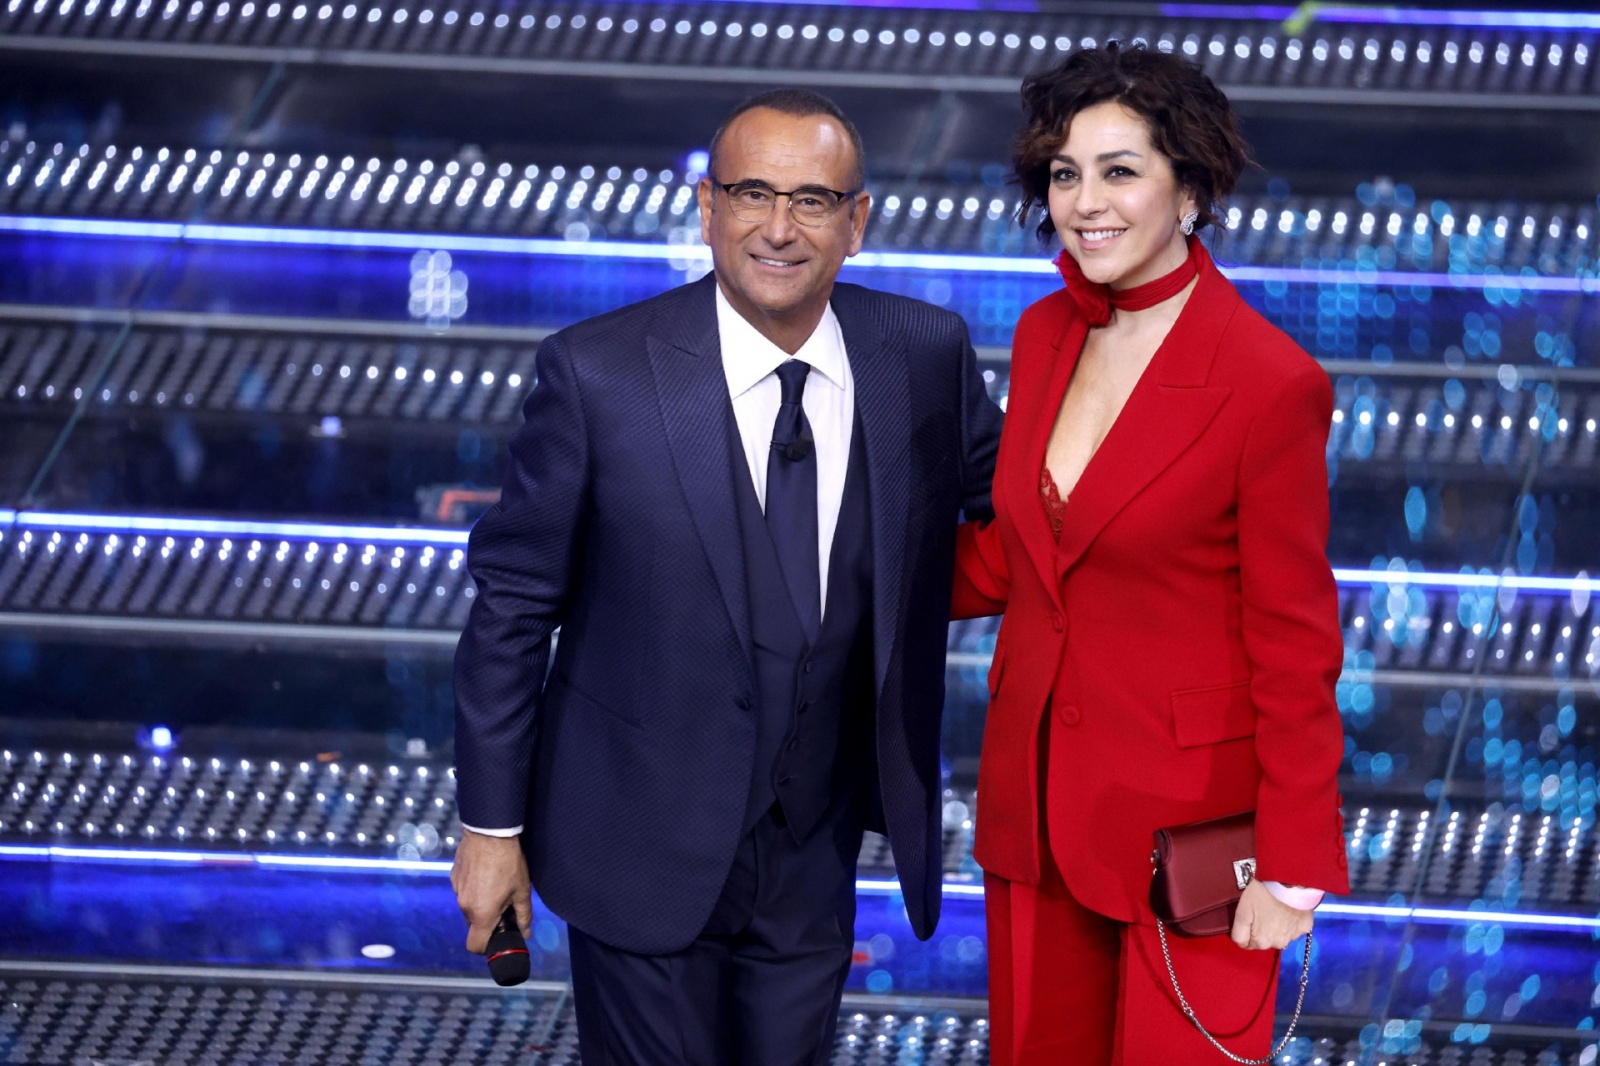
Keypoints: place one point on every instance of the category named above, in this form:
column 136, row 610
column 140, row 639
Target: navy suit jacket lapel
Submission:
column 692, row 390
column 881, row 369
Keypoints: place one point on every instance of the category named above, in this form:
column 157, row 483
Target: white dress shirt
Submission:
column 750, row 363
column 1302, row 899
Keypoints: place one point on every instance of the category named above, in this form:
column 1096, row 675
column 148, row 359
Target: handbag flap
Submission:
column 1195, row 865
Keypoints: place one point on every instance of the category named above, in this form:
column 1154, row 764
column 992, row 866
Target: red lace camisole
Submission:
column 1054, row 505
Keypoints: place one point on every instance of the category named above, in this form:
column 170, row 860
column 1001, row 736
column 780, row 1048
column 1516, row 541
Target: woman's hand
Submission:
column 1263, row 924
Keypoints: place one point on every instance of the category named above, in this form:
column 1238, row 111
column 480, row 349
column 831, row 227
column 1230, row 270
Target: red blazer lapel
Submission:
column 1168, row 410
column 1038, row 414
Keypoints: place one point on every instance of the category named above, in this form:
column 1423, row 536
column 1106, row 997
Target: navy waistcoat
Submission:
column 814, row 702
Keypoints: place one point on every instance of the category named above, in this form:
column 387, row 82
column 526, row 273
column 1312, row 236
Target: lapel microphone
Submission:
column 797, row 449
column 508, row 952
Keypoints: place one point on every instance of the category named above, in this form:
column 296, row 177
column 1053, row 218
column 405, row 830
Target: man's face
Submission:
column 778, row 272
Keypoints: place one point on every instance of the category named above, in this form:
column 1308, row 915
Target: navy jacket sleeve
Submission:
column 980, row 437
column 524, row 555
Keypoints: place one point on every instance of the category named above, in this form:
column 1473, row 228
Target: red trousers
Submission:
column 1070, row 987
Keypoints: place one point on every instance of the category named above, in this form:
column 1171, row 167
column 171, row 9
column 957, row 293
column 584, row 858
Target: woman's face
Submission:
column 1114, row 200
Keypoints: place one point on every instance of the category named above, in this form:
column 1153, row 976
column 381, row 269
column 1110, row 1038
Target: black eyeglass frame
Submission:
column 844, row 197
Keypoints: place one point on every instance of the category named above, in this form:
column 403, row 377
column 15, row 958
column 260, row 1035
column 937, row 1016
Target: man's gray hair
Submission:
column 802, row 103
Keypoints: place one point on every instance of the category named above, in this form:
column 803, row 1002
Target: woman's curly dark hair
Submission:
column 1189, row 118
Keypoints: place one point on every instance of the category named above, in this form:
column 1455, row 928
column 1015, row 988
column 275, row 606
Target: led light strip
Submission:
column 1514, row 582
column 685, row 255
column 164, row 526
column 159, row 857
column 876, row 887
column 221, row 527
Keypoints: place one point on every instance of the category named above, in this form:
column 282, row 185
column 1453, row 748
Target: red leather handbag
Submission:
column 1201, row 870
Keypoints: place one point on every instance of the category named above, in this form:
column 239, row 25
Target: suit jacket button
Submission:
column 743, row 703
column 785, row 779
column 810, row 666
column 1057, row 621
column 793, row 744
column 1070, row 715
column 804, row 707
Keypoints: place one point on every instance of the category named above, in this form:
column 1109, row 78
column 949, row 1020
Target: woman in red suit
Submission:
column 1170, row 642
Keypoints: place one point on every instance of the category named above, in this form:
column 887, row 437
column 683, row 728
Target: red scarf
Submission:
column 1096, row 301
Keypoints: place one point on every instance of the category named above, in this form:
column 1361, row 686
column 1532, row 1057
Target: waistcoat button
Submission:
column 1070, row 715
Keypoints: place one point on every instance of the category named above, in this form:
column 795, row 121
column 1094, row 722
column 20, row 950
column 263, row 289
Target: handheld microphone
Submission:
column 508, row 952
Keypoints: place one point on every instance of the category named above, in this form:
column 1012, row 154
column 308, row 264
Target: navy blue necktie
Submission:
column 792, row 498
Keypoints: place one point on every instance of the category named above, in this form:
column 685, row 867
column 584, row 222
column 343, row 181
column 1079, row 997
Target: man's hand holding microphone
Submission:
column 490, row 878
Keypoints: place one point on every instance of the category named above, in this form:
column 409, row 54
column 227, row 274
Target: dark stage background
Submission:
column 272, row 273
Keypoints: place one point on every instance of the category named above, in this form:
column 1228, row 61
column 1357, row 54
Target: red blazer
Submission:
column 1185, row 632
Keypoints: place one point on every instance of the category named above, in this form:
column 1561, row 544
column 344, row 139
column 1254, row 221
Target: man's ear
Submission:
column 706, row 194
column 858, row 221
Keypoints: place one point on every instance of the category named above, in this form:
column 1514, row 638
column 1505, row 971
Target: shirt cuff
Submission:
column 514, row 831
column 1301, row 899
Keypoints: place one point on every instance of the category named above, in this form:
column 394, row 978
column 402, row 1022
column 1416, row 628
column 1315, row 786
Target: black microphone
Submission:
column 797, row 449
column 508, row 952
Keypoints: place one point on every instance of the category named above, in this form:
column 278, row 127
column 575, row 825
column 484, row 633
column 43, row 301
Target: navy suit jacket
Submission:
column 629, row 765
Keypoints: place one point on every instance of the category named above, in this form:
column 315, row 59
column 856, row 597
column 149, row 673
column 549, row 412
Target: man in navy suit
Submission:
column 739, row 501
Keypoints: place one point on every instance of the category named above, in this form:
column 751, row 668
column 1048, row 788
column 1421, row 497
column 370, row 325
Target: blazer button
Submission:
column 810, row 666
column 743, row 703
column 785, row 779
column 1070, row 715
column 1057, row 621
column 804, row 707
column 793, row 744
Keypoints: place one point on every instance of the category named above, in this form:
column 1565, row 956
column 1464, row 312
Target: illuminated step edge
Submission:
column 162, row 525
column 306, row 633
column 687, row 256
column 369, row 979
column 872, row 886
column 389, row 637
column 297, row 633
column 1351, row 14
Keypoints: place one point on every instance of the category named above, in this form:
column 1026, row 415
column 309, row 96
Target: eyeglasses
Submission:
column 809, row 205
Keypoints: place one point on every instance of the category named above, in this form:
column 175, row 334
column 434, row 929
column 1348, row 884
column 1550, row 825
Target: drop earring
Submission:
column 1186, row 224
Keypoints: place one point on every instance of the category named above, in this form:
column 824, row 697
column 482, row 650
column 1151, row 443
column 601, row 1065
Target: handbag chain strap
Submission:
column 1305, row 975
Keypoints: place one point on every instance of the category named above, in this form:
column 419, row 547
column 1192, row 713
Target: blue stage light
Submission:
column 161, row 738
column 152, row 856
column 236, row 527
column 683, row 255
column 1532, row 20
column 455, row 538
column 1514, row 582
